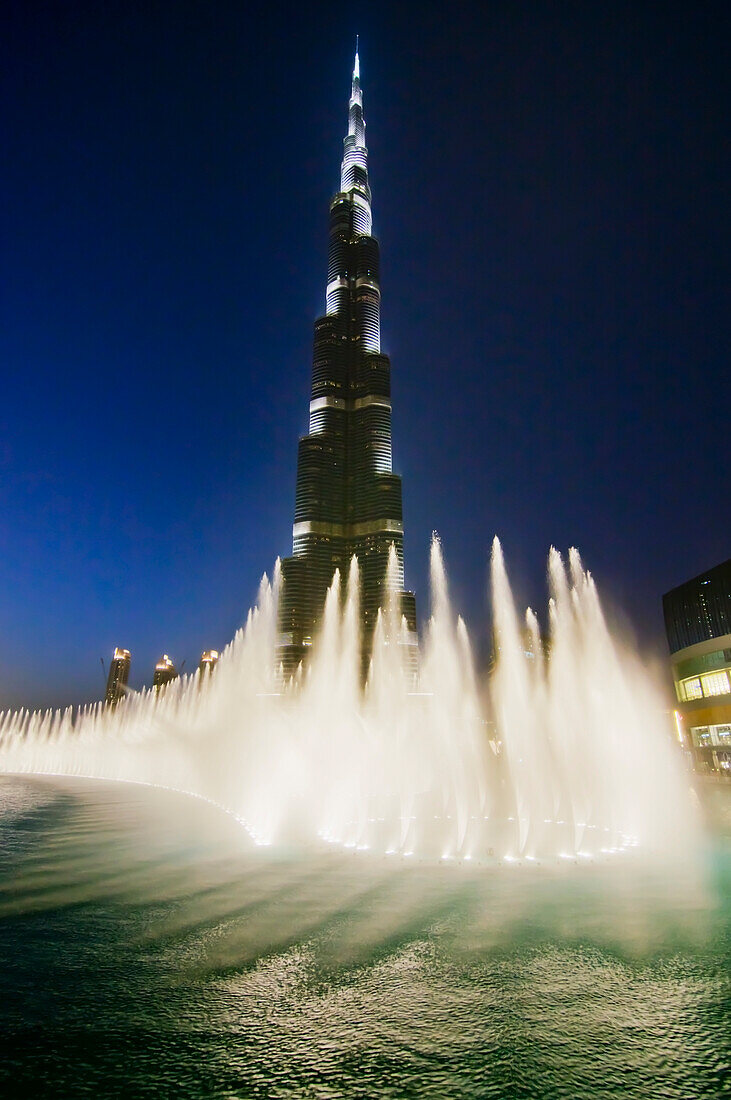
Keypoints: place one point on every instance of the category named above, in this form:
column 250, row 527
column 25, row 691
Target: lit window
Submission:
column 692, row 688
column 715, row 683
column 723, row 733
column 701, row 736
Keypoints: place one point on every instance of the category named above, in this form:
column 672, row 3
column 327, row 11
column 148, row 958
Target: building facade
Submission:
column 165, row 671
column 207, row 663
column 698, row 627
column 348, row 500
column 118, row 676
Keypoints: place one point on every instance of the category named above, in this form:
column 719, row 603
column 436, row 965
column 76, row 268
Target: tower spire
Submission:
column 354, row 168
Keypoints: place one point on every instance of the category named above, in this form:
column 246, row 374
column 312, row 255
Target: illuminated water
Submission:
column 440, row 886
column 571, row 757
column 149, row 949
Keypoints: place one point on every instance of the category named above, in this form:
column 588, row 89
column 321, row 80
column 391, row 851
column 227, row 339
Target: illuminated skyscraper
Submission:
column 348, row 500
column 207, row 662
column 118, row 676
column 165, row 671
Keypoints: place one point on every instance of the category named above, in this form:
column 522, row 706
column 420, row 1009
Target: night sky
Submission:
column 550, row 193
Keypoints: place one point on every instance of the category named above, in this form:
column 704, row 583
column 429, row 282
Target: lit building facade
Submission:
column 118, row 676
column 207, row 662
column 698, row 627
column 165, row 671
column 348, row 500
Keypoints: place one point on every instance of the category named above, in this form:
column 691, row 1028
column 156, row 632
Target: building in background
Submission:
column 348, row 500
column 208, row 662
column 165, row 671
column 118, row 676
column 698, row 627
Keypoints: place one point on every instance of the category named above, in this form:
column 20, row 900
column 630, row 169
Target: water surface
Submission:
column 150, row 950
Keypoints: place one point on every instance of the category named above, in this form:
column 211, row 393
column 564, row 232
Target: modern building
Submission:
column 348, row 500
column 698, row 627
column 208, row 662
column 165, row 671
column 118, row 676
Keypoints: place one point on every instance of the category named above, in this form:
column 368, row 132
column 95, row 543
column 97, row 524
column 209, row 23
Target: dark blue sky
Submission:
column 549, row 186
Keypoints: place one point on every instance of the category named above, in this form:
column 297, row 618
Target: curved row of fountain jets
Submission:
column 563, row 752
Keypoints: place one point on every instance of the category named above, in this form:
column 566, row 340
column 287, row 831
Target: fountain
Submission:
column 562, row 754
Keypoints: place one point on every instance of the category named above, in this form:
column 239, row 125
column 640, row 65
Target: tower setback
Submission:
column 348, row 500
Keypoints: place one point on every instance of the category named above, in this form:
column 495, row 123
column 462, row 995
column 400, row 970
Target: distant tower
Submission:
column 207, row 662
column 165, row 671
column 348, row 499
column 118, row 676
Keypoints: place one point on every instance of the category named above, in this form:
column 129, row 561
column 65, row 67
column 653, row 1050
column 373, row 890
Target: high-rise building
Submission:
column 165, row 671
column 348, row 500
column 118, row 676
column 698, row 628
column 207, row 662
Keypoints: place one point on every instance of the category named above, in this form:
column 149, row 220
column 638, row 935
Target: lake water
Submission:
column 149, row 951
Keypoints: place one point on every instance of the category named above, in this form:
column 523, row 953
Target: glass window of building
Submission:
column 691, row 689
column 715, row 683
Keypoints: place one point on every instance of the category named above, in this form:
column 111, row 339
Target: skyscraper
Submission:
column 348, row 500
column 208, row 662
column 165, row 671
column 118, row 676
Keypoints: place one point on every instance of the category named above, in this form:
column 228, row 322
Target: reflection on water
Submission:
column 151, row 950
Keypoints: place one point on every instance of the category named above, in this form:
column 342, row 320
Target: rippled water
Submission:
column 148, row 950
